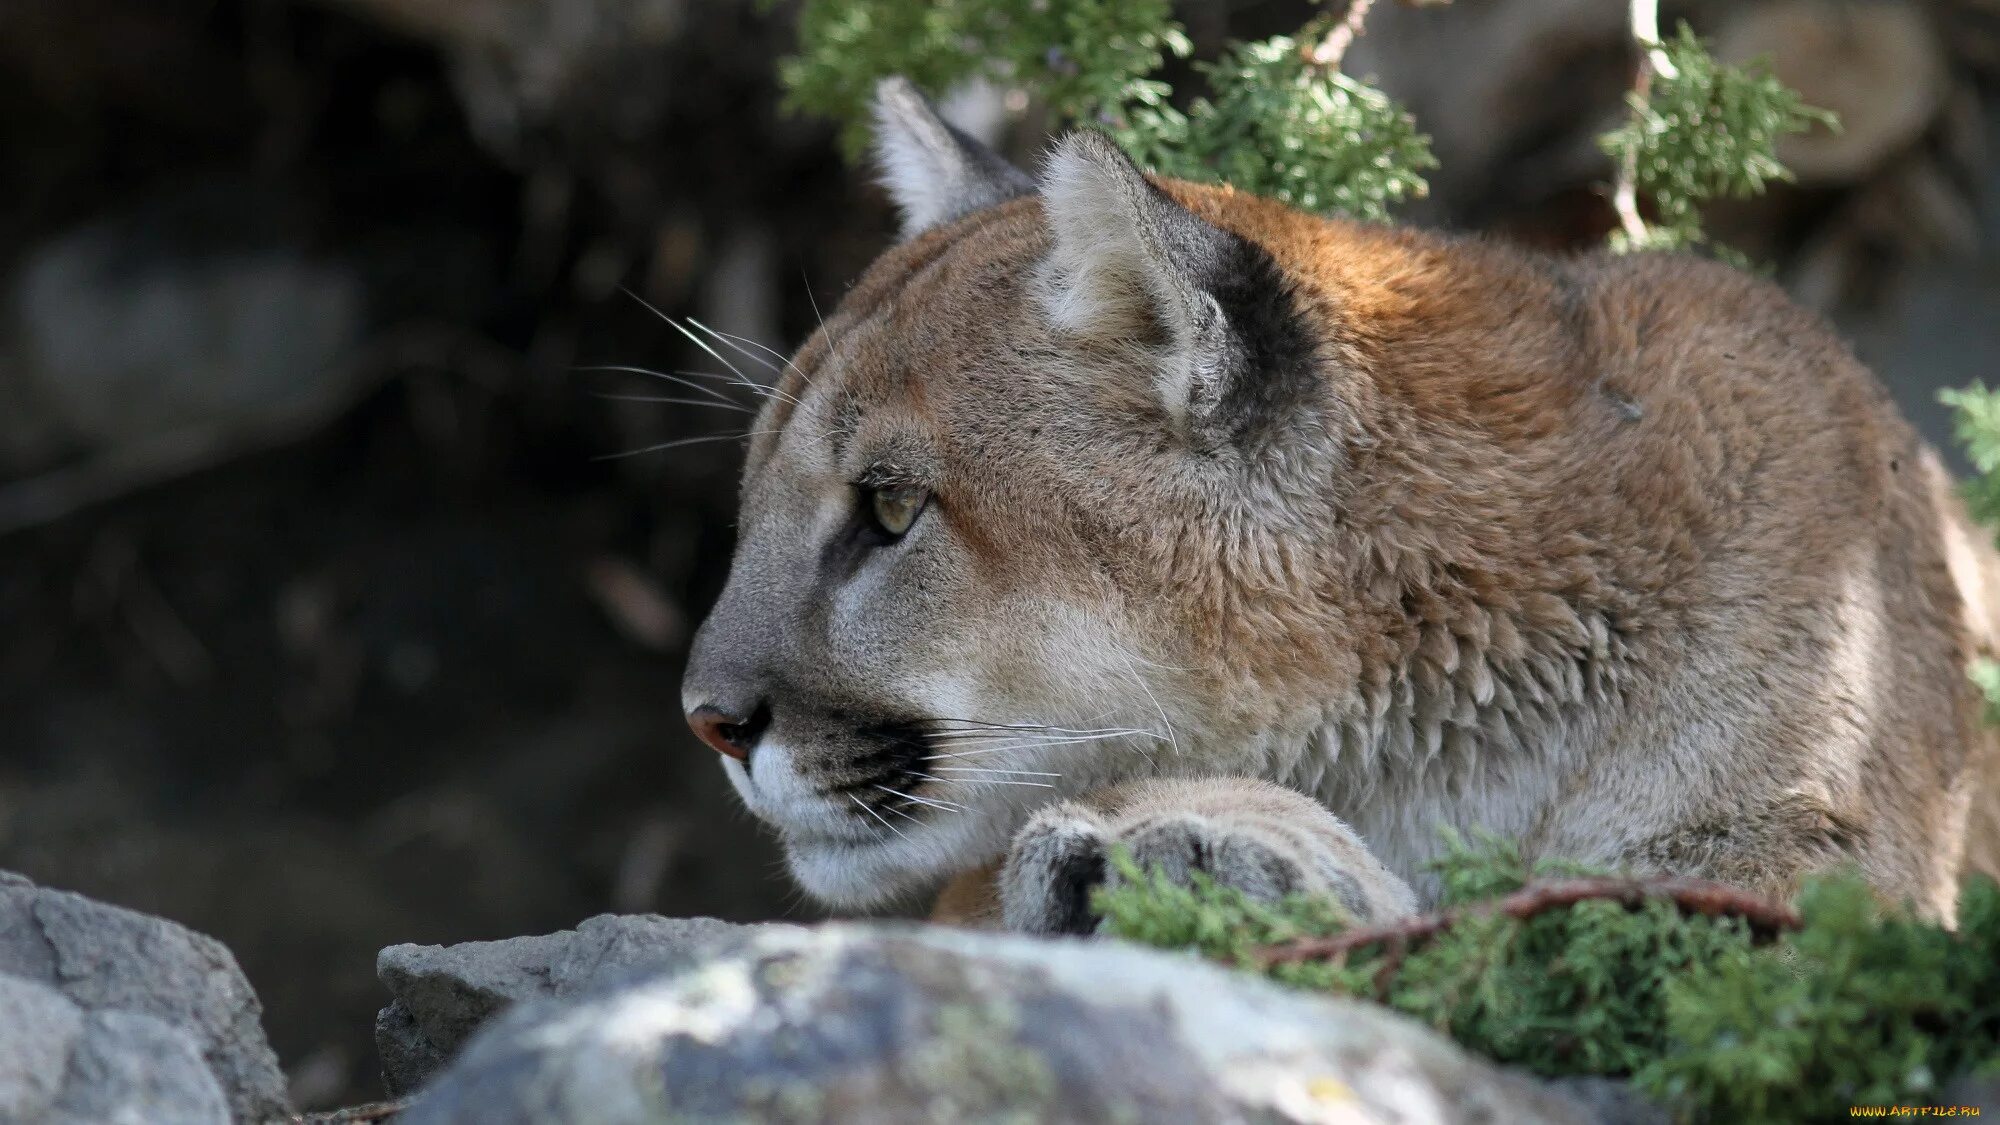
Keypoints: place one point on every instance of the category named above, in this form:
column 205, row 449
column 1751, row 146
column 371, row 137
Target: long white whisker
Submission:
column 707, row 390
column 979, row 781
column 969, row 754
column 817, row 315
column 740, row 408
column 1164, row 721
column 992, row 781
column 1130, row 655
column 975, row 769
column 956, row 755
column 945, row 806
column 995, row 729
column 1025, row 744
column 740, row 341
column 683, row 441
column 743, row 380
column 1003, row 748
column 748, row 354
column 899, row 812
column 974, row 738
column 737, row 371
column 876, row 815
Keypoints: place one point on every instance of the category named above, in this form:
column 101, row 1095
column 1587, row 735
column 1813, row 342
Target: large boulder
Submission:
column 906, row 1023
column 442, row 994
column 116, row 1016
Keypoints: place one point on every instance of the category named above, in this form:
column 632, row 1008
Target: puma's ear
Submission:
column 1129, row 264
column 934, row 172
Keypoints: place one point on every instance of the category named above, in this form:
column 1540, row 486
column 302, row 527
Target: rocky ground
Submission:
column 115, row 1016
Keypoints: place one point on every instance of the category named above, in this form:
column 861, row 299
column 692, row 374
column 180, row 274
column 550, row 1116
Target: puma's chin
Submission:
column 853, row 874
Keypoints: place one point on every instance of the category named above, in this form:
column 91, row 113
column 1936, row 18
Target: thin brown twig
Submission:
column 1645, row 23
column 1693, row 896
column 1333, row 48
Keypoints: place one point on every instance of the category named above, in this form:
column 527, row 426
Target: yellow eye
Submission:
column 895, row 509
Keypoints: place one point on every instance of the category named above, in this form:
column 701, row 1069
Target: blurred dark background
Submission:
column 327, row 620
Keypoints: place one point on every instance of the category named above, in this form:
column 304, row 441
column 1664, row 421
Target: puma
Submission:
column 1111, row 510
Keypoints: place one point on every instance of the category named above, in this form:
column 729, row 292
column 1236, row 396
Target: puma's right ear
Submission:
column 1126, row 262
column 934, row 172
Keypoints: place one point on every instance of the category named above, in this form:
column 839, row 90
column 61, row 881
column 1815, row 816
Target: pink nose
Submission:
column 729, row 734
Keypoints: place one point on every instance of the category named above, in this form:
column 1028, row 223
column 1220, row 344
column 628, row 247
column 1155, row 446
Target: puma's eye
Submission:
column 896, row 508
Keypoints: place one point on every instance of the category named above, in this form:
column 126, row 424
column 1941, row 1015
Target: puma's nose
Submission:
column 731, row 734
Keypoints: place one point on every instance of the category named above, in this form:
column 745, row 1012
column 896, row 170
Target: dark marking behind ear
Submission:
column 1275, row 357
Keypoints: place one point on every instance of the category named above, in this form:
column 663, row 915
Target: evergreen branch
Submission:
column 1692, row 896
column 1645, row 23
column 1646, row 32
column 1330, row 50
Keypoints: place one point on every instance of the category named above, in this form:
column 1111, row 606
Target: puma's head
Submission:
column 1015, row 520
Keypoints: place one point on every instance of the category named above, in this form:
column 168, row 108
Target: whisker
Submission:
column 833, row 343
column 978, row 781
column 878, row 816
column 752, row 356
column 1130, row 655
column 900, row 812
column 1136, row 678
column 946, row 806
column 991, row 781
column 739, row 342
column 674, row 378
column 969, row 754
column 980, row 728
column 743, row 380
column 1031, row 743
column 974, row 738
column 683, row 441
column 1005, row 749
column 975, row 769
column 679, row 402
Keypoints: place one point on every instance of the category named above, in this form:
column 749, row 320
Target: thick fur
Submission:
column 1624, row 557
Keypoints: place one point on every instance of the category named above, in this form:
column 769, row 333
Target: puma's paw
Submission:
column 1261, row 839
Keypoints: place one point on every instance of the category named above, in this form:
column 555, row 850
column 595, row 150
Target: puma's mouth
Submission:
column 849, row 789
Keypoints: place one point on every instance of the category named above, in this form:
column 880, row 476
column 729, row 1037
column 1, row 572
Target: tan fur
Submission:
column 1626, row 557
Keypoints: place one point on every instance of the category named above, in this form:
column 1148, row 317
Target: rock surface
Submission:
column 445, row 993
column 116, row 1016
column 860, row 1023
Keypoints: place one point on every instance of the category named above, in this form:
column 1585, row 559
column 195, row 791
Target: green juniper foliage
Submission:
column 1579, row 990
column 1087, row 59
column 1283, row 126
column 1858, row 1006
column 1976, row 418
column 1276, row 123
column 1706, row 131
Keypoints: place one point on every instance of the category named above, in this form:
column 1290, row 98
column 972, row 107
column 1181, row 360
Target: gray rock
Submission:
column 444, row 993
column 132, row 1069
column 110, row 963
column 38, row 1032
column 884, row 1023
